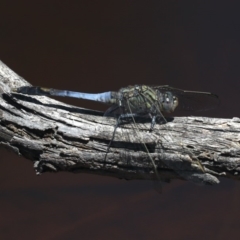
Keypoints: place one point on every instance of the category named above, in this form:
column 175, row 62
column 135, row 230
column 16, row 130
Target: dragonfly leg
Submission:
column 127, row 115
column 156, row 118
column 114, row 131
column 153, row 122
column 119, row 121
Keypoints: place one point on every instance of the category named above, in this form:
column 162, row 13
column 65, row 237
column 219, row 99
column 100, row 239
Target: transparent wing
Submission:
column 157, row 181
column 137, row 150
column 192, row 100
column 114, row 111
column 128, row 141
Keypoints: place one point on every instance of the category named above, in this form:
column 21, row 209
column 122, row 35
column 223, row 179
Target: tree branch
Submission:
column 60, row 137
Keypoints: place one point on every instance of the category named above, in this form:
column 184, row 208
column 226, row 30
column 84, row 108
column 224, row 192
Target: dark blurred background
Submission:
column 96, row 46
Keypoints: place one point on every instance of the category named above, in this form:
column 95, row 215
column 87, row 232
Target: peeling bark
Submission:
column 60, row 137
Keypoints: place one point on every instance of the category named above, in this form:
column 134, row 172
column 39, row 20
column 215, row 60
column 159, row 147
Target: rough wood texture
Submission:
column 60, row 137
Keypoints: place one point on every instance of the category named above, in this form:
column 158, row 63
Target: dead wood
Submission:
column 60, row 137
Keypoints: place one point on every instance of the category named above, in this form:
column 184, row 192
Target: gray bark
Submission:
column 60, row 137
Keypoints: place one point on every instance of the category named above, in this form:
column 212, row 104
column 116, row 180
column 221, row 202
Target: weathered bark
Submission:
column 60, row 137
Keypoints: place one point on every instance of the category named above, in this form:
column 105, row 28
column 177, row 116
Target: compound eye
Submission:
column 167, row 98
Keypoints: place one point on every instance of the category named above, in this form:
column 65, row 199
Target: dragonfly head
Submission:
column 168, row 101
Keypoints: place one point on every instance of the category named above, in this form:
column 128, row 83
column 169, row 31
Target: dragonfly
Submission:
column 132, row 102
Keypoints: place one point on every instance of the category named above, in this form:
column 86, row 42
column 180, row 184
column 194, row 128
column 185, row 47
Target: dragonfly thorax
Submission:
column 144, row 100
column 138, row 99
